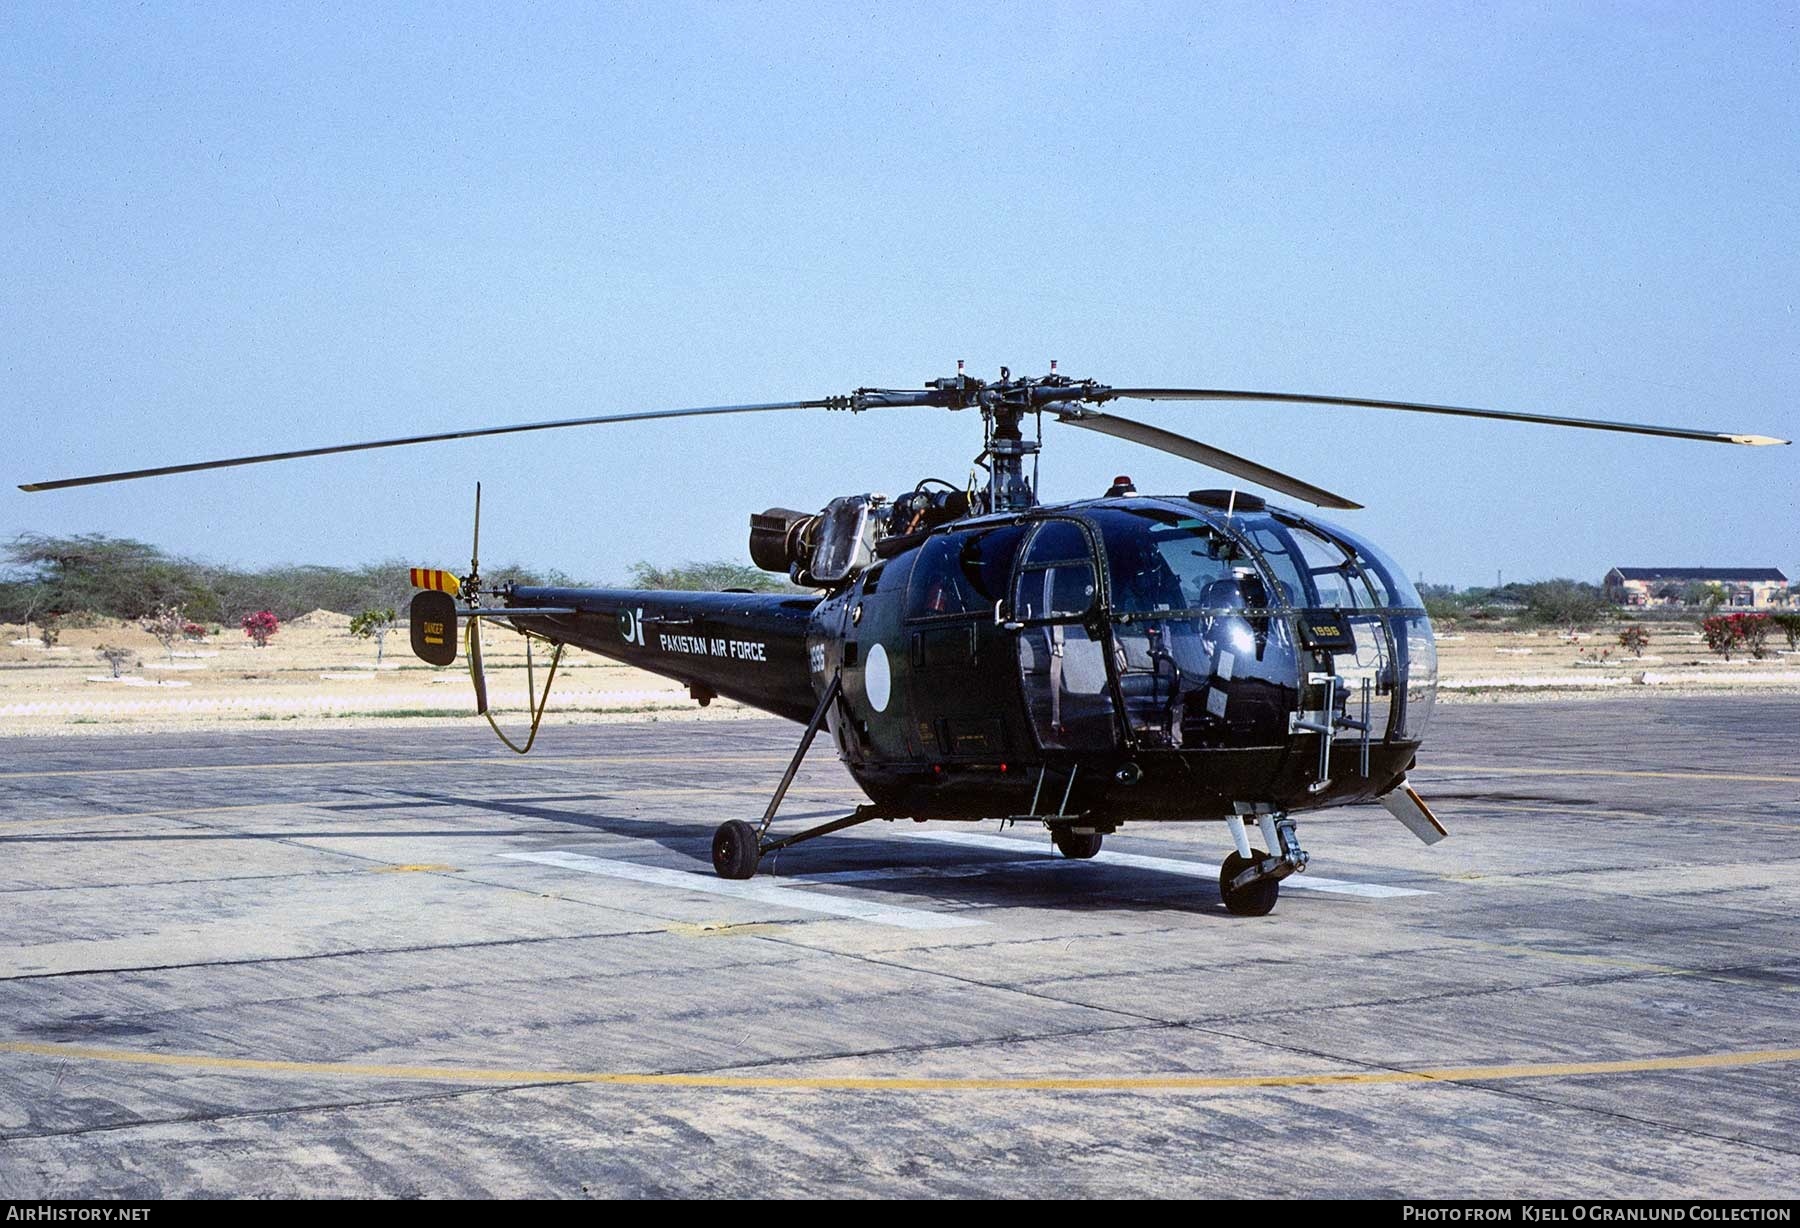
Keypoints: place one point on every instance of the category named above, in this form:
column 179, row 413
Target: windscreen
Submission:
column 1203, row 609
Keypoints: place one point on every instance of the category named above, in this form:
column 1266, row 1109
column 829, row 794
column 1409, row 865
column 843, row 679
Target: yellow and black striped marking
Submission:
column 435, row 580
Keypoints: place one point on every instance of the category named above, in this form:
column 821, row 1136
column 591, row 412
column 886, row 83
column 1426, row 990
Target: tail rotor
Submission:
column 472, row 586
column 435, row 617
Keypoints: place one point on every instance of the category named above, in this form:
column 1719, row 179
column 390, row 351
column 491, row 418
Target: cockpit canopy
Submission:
column 1198, row 626
column 1160, row 557
column 1165, row 556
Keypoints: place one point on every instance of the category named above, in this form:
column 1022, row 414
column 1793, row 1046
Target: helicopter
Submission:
column 975, row 653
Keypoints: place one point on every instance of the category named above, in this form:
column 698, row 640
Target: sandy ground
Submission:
column 1477, row 664
column 314, row 673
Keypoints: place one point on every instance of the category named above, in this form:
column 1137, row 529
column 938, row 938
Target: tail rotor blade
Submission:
column 477, row 673
column 475, row 550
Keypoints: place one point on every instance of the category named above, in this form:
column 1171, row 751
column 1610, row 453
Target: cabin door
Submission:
column 1062, row 653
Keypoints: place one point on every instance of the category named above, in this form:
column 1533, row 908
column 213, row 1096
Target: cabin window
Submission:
column 987, row 560
column 962, row 573
column 939, row 588
column 1159, row 561
column 1336, row 579
column 1056, row 580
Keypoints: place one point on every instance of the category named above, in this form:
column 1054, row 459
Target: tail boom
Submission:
column 747, row 647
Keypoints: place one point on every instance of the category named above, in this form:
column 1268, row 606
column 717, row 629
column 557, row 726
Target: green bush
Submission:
column 45, row 580
column 1566, row 603
column 707, row 576
column 1789, row 626
column 375, row 625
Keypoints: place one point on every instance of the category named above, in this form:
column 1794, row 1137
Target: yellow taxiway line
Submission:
column 912, row 1083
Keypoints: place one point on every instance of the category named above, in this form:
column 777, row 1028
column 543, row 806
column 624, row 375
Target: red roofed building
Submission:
column 1744, row 587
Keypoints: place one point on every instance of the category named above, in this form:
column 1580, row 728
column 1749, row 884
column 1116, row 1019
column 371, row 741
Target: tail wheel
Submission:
column 1253, row 901
column 735, row 850
column 1076, row 845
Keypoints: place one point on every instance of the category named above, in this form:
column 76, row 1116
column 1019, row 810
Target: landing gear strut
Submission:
column 1250, row 879
column 735, row 850
column 1255, row 899
column 738, row 847
column 1075, row 845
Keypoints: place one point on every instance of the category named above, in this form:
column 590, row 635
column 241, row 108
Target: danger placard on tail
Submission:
column 434, row 626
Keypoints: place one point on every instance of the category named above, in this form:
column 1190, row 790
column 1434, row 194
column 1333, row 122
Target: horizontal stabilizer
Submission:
column 1405, row 804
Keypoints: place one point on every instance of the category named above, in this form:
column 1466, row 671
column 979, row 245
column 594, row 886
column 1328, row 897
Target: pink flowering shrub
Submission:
column 260, row 626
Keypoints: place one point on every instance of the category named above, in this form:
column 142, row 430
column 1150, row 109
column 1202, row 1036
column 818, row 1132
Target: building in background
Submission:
column 1743, row 587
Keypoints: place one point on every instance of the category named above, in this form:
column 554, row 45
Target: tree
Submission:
column 374, row 624
column 1566, row 603
column 167, row 625
column 1754, row 631
column 114, row 576
column 1443, row 603
column 118, row 658
column 25, row 601
column 714, row 577
column 1790, row 627
column 1724, row 632
column 1708, row 596
column 260, row 626
column 1719, row 634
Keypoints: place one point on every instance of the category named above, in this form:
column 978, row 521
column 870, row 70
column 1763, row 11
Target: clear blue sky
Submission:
column 241, row 227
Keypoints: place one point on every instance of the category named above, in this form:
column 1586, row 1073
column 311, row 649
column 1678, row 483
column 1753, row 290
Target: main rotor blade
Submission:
column 196, row 466
column 1303, row 398
column 1206, row 454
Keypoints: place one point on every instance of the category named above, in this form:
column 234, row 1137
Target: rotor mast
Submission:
column 1004, row 404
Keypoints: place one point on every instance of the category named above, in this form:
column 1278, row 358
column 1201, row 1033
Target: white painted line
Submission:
column 883, row 873
column 1169, row 865
column 762, row 891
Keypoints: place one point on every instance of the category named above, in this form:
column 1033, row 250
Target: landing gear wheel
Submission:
column 734, row 850
column 1253, row 901
column 1076, row 845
